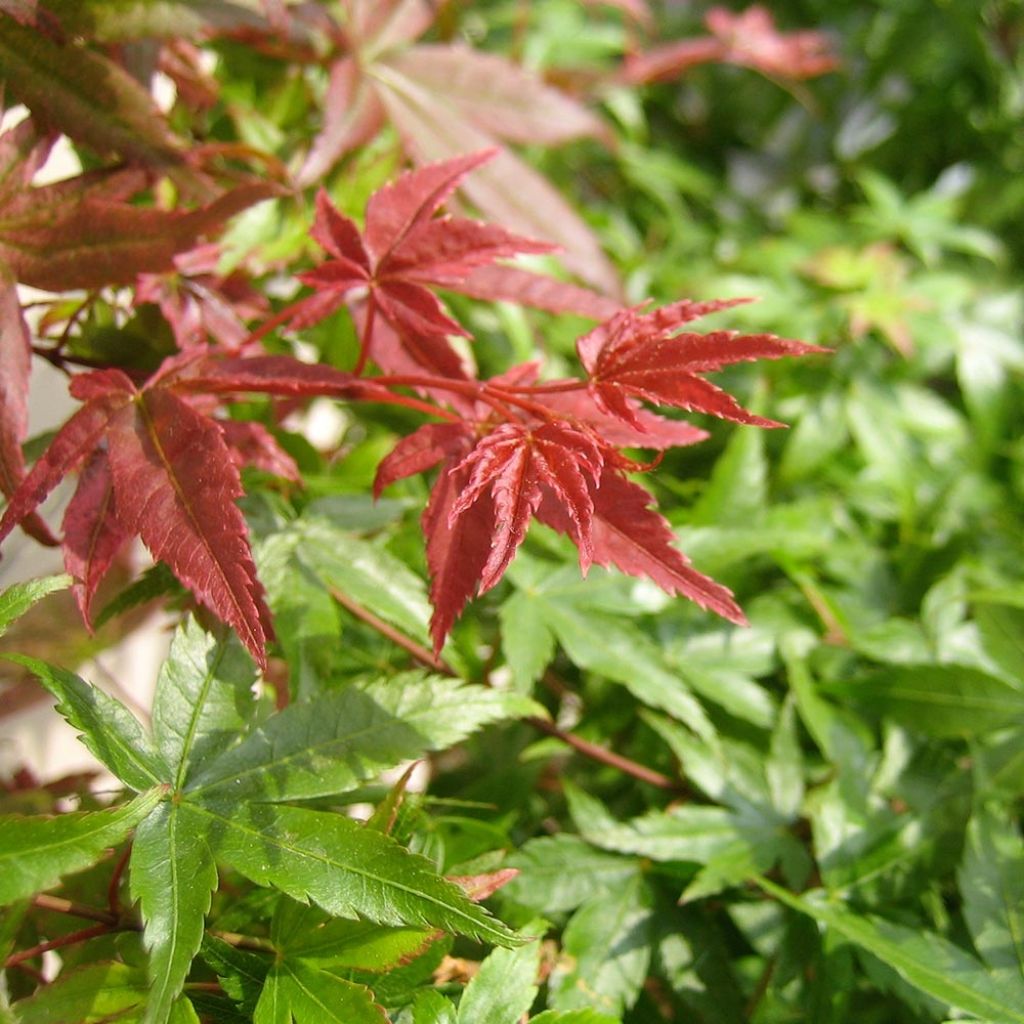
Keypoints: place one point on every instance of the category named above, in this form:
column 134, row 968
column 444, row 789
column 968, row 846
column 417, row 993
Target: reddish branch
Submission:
column 425, row 657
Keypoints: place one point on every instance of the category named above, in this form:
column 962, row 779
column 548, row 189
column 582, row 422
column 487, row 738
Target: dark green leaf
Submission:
column 36, row 852
column 940, row 700
column 927, row 961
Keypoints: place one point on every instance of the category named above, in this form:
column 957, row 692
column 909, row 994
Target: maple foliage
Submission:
column 404, row 249
column 749, row 39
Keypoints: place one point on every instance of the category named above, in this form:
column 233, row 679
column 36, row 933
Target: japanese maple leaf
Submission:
column 156, row 465
column 448, row 100
column 551, row 451
column 405, row 250
column 749, row 38
column 637, row 355
column 201, row 304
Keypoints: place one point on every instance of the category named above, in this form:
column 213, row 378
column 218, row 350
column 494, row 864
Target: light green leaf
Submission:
column 203, row 698
column 294, row 992
column 1002, row 636
column 607, row 946
column 560, row 872
column 90, row 995
column 506, row 985
column 528, row 644
column 18, row 598
column 992, row 885
column 36, row 852
column 940, row 700
column 432, row 1008
column 332, row 744
column 173, row 877
column 584, row 1016
column 359, row 945
column 367, row 573
column 684, row 833
column 343, row 867
column 738, row 489
column 108, row 728
column 620, row 651
column 927, row 961
column 784, row 767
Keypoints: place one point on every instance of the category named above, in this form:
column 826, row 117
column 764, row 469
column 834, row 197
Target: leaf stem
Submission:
column 367, row 335
column 113, row 889
column 251, row 942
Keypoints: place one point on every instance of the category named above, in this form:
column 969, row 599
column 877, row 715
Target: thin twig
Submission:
column 64, row 940
column 417, row 651
column 580, row 745
column 59, row 905
column 113, row 889
column 243, row 941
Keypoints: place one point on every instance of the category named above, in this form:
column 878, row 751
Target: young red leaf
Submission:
column 176, row 486
column 423, row 449
column 70, row 447
column 15, row 363
column 636, row 355
column 502, row 283
column 251, row 444
column 93, row 531
column 456, row 551
column 517, row 465
column 630, row 535
column 69, row 235
column 749, row 38
column 405, row 250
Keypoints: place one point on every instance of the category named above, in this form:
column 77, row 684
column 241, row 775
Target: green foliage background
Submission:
column 837, row 837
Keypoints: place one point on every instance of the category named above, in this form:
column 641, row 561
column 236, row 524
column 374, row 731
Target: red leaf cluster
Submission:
column 749, row 39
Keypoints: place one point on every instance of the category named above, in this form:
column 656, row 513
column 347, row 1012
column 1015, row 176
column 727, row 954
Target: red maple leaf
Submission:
column 749, row 38
column 405, row 251
column 158, row 467
column 551, row 451
column 638, row 355
column 201, row 304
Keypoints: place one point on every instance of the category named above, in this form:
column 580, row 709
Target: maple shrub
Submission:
column 450, row 728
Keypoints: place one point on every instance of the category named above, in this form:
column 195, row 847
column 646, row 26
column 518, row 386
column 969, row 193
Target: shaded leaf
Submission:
column 16, row 599
column 90, row 995
column 295, row 992
column 504, row 988
column 36, row 852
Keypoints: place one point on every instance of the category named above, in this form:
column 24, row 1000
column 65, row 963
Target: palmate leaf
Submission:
column 172, row 877
column 36, row 852
column 109, row 730
column 927, row 961
column 332, row 744
column 297, row 994
column 341, row 866
column 90, row 98
column 203, row 699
